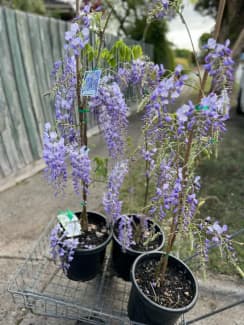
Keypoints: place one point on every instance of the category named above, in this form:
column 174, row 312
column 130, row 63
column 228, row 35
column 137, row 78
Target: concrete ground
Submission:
column 25, row 211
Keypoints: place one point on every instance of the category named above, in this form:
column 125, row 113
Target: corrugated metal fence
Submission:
column 29, row 44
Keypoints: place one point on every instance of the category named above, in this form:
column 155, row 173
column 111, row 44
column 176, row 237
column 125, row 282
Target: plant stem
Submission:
column 83, row 132
column 194, row 51
column 101, row 38
column 175, row 219
column 219, row 19
column 147, row 175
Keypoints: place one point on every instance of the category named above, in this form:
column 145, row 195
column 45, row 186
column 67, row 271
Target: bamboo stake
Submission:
column 83, row 130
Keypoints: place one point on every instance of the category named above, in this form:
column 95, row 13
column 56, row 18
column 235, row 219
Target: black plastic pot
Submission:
column 141, row 309
column 123, row 258
column 87, row 263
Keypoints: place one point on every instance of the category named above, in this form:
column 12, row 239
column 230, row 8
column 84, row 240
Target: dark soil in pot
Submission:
column 123, row 258
column 90, row 253
column 152, row 304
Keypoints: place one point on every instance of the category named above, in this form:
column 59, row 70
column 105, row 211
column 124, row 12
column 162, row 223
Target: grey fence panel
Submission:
column 42, row 79
column 29, row 45
column 34, row 104
column 25, row 103
column 18, row 152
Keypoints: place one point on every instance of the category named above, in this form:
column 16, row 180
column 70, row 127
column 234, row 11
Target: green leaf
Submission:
column 101, row 167
column 137, row 52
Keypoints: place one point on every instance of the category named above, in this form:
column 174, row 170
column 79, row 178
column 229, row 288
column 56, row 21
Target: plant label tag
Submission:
column 91, row 82
column 70, row 225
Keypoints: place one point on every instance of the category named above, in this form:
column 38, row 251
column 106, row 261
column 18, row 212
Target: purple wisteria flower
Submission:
column 111, row 110
column 216, row 235
column 172, row 197
column 157, row 119
column 62, row 248
column 149, row 155
column 64, row 104
column 78, row 35
column 159, row 8
column 111, row 202
column 204, row 122
column 125, row 228
column 144, row 75
column 163, row 8
column 219, row 64
column 81, row 168
column 54, row 152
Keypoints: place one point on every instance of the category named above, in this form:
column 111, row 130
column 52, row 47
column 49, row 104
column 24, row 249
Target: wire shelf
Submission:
column 44, row 290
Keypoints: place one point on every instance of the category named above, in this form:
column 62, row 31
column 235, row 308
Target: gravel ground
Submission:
column 25, row 212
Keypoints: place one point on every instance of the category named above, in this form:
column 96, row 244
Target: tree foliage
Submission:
column 35, row 6
column 233, row 18
column 131, row 18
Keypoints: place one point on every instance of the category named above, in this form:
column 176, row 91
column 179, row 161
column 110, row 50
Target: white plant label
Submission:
column 70, row 225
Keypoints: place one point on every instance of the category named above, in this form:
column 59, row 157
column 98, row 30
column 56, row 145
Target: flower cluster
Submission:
column 216, row 235
column 157, row 120
column 62, row 248
column 111, row 110
column 210, row 119
column 111, row 202
column 163, row 8
column 81, row 168
column 65, row 79
column 125, row 228
column 167, row 190
column 148, row 155
column 78, row 35
column 219, row 64
column 54, row 152
column 145, row 75
column 159, row 9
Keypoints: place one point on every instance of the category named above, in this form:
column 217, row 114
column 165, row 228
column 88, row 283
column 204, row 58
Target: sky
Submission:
column 197, row 23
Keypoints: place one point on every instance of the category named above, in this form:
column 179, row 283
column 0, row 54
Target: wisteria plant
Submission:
column 66, row 150
column 173, row 144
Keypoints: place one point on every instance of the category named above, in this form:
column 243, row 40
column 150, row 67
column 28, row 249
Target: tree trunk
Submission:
column 233, row 21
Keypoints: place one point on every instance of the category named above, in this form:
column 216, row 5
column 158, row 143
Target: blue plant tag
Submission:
column 91, row 82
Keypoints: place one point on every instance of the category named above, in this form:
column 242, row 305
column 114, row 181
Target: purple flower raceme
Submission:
column 125, row 231
column 172, row 197
column 78, row 35
column 62, row 248
column 159, row 8
column 162, row 8
column 81, row 168
column 148, row 155
column 216, row 234
column 111, row 110
column 157, row 120
column 219, row 64
column 54, row 152
column 111, row 202
column 144, row 75
column 65, row 86
column 205, row 121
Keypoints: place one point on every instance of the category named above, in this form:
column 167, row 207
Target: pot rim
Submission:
column 143, row 296
column 134, row 251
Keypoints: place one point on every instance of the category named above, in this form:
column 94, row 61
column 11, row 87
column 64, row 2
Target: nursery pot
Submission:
column 87, row 263
column 142, row 309
column 123, row 258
